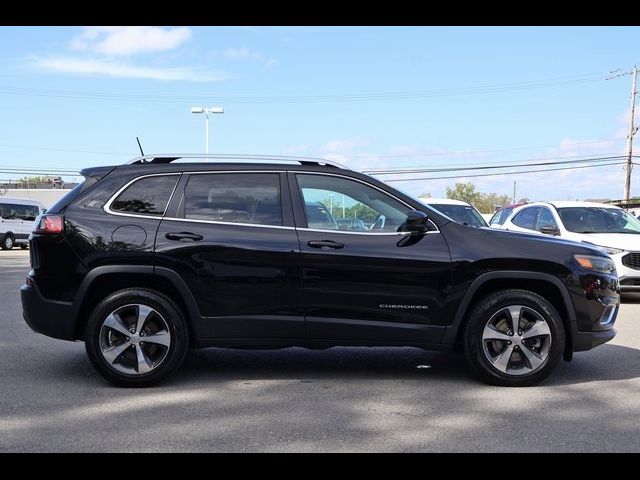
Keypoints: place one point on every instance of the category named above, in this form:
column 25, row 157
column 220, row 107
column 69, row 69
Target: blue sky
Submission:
column 94, row 89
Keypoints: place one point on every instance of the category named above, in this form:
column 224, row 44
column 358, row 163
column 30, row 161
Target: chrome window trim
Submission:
column 107, row 206
column 295, row 172
column 108, row 210
column 216, row 222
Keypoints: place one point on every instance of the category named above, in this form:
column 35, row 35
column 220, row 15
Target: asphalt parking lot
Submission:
column 341, row 399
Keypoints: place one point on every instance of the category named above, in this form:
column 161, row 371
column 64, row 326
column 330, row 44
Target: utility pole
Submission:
column 514, row 191
column 632, row 131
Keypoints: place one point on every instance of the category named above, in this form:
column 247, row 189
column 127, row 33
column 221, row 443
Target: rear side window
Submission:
column 10, row 211
column 527, row 218
column 148, row 196
column 234, row 198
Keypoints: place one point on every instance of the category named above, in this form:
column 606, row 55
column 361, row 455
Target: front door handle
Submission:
column 184, row 236
column 325, row 243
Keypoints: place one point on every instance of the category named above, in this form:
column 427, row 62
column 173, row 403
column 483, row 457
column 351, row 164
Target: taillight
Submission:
column 49, row 224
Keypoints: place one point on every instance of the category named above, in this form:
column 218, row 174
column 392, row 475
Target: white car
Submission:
column 457, row 210
column 16, row 221
column 613, row 229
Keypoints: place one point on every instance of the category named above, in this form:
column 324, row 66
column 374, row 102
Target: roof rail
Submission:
column 170, row 157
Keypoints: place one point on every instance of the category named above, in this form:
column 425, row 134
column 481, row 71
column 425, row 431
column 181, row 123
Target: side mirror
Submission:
column 417, row 221
column 549, row 230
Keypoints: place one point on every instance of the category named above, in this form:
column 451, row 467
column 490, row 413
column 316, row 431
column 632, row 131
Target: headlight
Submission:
column 610, row 250
column 607, row 250
column 596, row 264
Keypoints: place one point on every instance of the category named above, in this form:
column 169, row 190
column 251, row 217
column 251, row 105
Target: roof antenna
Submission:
column 140, row 147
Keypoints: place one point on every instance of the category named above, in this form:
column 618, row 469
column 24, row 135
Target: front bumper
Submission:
column 597, row 302
column 629, row 277
column 48, row 317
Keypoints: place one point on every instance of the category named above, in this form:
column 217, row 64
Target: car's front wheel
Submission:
column 136, row 337
column 514, row 338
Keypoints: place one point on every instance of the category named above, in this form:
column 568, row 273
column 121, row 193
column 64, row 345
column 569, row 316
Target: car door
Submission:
column 373, row 284
column 230, row 236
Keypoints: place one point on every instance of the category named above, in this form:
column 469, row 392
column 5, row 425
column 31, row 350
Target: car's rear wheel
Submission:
column 514, row 338
column 136, row 337
column 24, row 246
column 7, row 242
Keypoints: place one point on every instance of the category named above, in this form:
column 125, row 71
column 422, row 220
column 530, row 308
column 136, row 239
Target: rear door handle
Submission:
column 325, row 243
column 184, row 236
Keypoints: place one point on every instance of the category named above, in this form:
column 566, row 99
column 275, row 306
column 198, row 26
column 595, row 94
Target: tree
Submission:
column 484, row 202
column 465, row 192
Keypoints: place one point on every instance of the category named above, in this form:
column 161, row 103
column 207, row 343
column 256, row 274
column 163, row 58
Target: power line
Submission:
column 488, row 167
column 66, row 150
column 502, row 173
column 353, row 97
column 471, row 152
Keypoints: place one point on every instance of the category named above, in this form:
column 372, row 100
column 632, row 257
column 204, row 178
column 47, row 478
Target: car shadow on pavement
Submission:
column 606, row 363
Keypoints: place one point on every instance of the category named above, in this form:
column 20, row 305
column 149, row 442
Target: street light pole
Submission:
column 206, row 112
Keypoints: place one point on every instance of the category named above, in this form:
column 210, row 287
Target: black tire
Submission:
column 478, row 351
column 7, row 242
column 170, row 314
column 24, row 246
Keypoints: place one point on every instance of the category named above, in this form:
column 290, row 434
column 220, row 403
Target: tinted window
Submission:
column 235, row 198
column 148, row 196
column 527, row 218
column 11, row 211
column 598, row 220
column 464, row 214
column 335, row 203
column 546, row 218
column 501, row 216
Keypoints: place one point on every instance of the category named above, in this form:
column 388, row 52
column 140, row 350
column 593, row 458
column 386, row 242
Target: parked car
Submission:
column 145, row 260
column 611, row 228
column 461, row 212
column 501, row 215
column 16, row 221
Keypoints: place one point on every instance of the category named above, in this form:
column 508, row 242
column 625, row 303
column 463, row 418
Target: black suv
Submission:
column 145, row 260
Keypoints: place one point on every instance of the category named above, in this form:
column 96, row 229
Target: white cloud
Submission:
column 117, row 41
column 118, row 69
column 342, row 144
column 248, row 54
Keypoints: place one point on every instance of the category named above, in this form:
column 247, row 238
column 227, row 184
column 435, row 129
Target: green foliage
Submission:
column 484, row 202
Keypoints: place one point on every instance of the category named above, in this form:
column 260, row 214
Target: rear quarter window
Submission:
column 148, row 196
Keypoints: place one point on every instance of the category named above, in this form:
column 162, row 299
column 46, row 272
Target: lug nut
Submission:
column 141, row 343
column 127, row 339
column 508, row 342
column 142, row 334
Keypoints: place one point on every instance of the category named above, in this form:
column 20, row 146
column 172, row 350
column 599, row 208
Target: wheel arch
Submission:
column 104, row 280
column 544, row 284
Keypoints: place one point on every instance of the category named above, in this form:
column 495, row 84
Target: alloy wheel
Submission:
column 516, row 340
column 134, row 339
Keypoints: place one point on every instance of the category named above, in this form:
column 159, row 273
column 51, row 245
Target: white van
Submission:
column 16, row 221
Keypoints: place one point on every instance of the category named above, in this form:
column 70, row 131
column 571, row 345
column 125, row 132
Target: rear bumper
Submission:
column 48, row 317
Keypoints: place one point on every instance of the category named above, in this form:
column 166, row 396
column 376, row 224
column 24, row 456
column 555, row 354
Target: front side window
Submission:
column 252, row 198
column 527, row 218
column 336, row 203
column 501, row 216
column 546, row 219
column 148, row 196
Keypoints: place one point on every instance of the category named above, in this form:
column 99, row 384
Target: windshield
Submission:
column 464, row 214
column 598, row 220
